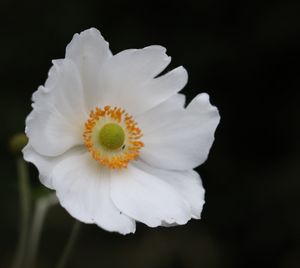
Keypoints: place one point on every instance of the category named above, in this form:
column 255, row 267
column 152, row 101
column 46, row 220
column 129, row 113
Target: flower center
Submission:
column 112, row 137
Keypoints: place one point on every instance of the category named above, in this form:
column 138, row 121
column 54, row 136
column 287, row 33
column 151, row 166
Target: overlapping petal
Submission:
column 56, row 122
column 154, row 119
column 179, row 139
column 186, row 182
column 83, row 188
column 89, row 51
column 147, row 198
column 129, row 76
column 121, row 79
column 46, row 164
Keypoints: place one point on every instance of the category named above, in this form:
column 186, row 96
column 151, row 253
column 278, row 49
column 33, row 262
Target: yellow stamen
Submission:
column 112, row 137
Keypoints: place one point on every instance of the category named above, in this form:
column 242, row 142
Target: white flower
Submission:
column 115, row 140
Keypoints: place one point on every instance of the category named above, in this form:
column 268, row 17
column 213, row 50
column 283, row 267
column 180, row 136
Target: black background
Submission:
column 243, row 53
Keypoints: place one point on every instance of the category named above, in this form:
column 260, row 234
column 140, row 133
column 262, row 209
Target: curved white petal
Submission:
column 151, row 120
column 179, row 139
column 160, row 89
column 147, row 198
column 83, row 189
column 57, row 119
column 177, row 100
column 89, row 43
column 187, row 182
column 89, row 51
column 46, row 164
column 201, row 105
column 127, row 80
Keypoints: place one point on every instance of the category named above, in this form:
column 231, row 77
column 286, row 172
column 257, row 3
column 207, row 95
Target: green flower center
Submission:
column 111, row 136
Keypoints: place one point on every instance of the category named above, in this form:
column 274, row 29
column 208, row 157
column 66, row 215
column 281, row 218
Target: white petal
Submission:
column 188, row 183
column 201, row 105
column 83, row 189
column 57, row 119
column 160, row 89
column 178, row 100
column 88, row 44
column 147, row 198
column 151, row 120
column 180, row 139
column 46, row 164
column 127, row 80
column 89, row 51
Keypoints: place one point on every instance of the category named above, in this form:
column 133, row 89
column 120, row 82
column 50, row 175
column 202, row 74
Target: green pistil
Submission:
column 111, row 136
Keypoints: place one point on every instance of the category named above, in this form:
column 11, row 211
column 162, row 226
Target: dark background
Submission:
column 243, row 53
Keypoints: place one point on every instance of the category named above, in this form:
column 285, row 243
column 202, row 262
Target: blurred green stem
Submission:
column 69, row 246
column 41, row 207
column 24, row 193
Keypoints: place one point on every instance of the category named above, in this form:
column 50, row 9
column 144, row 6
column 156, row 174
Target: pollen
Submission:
column 112, row 137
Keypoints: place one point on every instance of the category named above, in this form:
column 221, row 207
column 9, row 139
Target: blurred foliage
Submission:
column 243, row 53
column 17, row 143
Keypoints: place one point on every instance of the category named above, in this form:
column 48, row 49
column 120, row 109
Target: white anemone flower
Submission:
column 115, row 140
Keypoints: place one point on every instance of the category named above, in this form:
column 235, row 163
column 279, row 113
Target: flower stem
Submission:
column 41, row 207
column 24, row 192
column 69, row 246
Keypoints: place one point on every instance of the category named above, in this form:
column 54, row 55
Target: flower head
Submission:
column 115, row 140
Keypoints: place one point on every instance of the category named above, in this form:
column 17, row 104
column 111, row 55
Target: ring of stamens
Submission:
column 101, row 121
